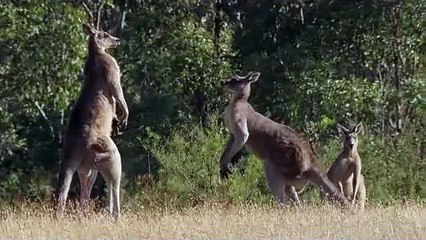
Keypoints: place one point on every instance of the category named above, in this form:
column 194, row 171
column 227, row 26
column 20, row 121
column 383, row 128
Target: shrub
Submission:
column 189, row 169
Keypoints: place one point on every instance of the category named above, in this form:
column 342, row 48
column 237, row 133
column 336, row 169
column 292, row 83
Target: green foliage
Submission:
column 41, row 60
column 358, row 49
column 189, row 163
column 251, row 185
column 189, row 169
column 334, row 100
column 170, row 53
column 46, row 42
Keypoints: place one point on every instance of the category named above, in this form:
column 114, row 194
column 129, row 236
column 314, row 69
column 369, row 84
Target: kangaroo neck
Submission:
column 351, row 152
column 92, row 64
column 241, row 96
column 95, row 48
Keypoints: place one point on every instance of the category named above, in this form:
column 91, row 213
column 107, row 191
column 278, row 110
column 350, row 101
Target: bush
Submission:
column 251, row 185
column 189, row 170
column 189, row 164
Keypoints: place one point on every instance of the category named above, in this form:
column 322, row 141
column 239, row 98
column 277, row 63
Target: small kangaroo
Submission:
column 345, row 172
column 288, row 158
column 88, row 147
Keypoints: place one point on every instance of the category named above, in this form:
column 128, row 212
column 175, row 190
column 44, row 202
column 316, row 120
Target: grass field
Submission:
column 400, row 221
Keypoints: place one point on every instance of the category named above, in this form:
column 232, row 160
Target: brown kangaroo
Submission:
column 345, row 172
column 88, row 147
column 288, row 158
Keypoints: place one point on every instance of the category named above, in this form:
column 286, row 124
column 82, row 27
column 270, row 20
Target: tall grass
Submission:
column 218, row 221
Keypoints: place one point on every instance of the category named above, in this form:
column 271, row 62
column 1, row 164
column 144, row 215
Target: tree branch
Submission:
column 43, row 114
column 89, row 13
column 101, row 5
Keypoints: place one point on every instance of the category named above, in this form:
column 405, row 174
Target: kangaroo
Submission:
column 345, row 172
column 289, row 162
column 88, row 147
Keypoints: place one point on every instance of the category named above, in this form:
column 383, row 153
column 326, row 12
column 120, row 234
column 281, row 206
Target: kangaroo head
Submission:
column 100, row 40
column 349, row 137
column 240, row 85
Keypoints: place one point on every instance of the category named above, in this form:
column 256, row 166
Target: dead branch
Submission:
column 99, row 14
column 43, row 114
column 89, row 13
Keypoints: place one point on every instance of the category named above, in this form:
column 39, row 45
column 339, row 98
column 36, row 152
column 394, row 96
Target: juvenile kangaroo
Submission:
column 345, row 172
column 88, row 147
column 288, row 158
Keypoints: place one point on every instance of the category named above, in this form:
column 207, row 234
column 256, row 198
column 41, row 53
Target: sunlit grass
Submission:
column 403, row 221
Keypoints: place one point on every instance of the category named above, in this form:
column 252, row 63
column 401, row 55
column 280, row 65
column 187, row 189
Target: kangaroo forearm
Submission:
column 231, row 151
column 124, row 108
column 236, row 158
column 226, row 158
column 117, row 93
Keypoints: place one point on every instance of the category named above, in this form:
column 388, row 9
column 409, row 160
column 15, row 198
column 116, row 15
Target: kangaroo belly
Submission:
column 340, row 170
column 102, row 122
column 288, row 157
column 92, row 115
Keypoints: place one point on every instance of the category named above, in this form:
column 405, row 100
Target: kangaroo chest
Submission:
column 343, row 170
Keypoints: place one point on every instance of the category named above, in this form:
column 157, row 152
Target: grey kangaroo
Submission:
column 288, row 158
column 345, row 172
column 88, row 147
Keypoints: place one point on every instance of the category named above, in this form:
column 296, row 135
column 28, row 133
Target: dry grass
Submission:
column 224, row 222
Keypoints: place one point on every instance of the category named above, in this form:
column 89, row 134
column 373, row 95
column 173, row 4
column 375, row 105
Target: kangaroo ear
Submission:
column 342, row 130
column 358, row 128
column 89, row 30
column 254, row 77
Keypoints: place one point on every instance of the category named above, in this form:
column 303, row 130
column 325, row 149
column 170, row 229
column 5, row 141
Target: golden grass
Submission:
column 224, row 222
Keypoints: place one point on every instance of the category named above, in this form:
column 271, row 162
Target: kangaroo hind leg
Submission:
column 362, row 194
column 275, row 182
column 62, row 189
column 107, row 159
column 69, row 164
column 87, row 179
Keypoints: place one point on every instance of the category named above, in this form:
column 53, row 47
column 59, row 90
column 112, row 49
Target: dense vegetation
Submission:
column 322, row 62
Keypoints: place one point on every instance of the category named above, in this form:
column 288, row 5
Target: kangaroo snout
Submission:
column 116, row 41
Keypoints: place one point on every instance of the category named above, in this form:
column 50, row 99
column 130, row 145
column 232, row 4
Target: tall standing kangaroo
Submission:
column 88, row 147
column 288, row 158
column 345, row 172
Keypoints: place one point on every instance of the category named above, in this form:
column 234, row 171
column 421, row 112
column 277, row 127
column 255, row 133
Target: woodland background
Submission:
column 322, row 62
